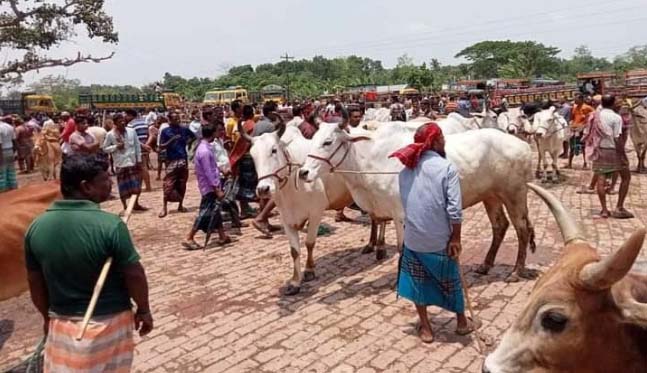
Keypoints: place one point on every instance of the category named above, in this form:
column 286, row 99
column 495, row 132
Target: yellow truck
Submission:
column 28, row 104
column 225, row 96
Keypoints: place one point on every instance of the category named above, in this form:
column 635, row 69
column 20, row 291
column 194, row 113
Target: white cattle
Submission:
column 638, row 134
column 378, row 115
column 493, row 168
column 513, row 121
column 276, row 160
column 549, row 130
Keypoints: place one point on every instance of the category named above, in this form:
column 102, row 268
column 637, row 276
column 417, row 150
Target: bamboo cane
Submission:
column 102, row 276
column 479, row 341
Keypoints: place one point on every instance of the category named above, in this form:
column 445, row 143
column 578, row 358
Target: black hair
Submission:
column 608, row 101
column 235, row 105
column 297, row 110
column 207, row 131
column 352, row 109
column 77, row 168
column 248, row 112
column 269, row 107
column 131, row 112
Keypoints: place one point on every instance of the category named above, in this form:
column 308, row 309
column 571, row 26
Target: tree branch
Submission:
column 13, row 70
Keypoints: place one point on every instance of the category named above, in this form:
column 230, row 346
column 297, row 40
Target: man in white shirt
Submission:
column 151, row 117
column 610, row 156
column 122, row 142
column 8, row 179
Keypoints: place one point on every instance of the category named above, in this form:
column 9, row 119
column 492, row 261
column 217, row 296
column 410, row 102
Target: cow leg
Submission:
column 500, row 224
column 544, row 178
column 556, row 177
column 641, row 159
column 294, row 285
column 518, row 211
column 311, row 239
column 538, row 174
column 372, row 240
column 380, row 253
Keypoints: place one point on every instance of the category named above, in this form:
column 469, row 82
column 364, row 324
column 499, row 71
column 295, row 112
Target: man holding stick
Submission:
column 429, row 273
column 63, row 268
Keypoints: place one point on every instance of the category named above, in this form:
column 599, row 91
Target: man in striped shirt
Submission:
column 136, row 122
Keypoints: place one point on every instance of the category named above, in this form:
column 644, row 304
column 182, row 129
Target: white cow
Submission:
column 493, row 168
column 550, row 130
column 276, row 160
column 378, row 115
column 514, row 121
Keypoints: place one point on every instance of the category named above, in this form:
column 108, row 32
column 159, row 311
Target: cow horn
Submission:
column 571, row 231
column 603, row 274
column 242, row 131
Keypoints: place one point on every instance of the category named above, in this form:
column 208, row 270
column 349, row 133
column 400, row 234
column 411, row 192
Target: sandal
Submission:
column 585, row 191
column 224, row 242
column 471, row 326
column 622, row 214
column 190, row 245
column 262, row 228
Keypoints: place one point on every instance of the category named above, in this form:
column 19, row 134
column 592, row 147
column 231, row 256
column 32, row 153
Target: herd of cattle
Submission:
column 584, row 315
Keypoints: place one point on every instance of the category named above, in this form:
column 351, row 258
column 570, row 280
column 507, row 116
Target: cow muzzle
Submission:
column 303, row 174
column 263, row 190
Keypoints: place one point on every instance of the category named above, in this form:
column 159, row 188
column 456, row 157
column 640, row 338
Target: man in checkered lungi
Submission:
column 431, row 196
column 123, row 144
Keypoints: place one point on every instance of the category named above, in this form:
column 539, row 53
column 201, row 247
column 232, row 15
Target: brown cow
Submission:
column 586, row 314
column 47, row 156
column 19, row 208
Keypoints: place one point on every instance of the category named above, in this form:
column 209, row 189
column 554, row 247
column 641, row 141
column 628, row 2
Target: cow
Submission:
column 19, row 208
column 513, row 121
column 277, row 157
column 493, row 166
column 456, row 123
column 586, row 314
column 638, row 134
column 378, row 115
column 47, row 155
column 550, row 130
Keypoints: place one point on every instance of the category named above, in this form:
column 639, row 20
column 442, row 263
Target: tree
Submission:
column 634, row 58
column 64, row 91
column 30, row 28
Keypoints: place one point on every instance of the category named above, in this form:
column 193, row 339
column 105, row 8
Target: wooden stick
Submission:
column 479, row 342
column 366, row 172
column 102, row 276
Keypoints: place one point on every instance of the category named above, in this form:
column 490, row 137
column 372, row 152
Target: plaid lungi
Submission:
column 8, row 179
column 129, row 181
column 209, row 214
column 107, row 345
column 430, row 279
column 177, row 174
column 608, row 161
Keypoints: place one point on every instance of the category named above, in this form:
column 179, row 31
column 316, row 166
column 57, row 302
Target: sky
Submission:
column 204, row 38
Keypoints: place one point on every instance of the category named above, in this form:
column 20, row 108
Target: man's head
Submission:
column 208, row 133
column 84, row 177
column 81, row 123
column 248, row 112
column 355, row 116
column 219, row 131
column 609, row 102
column 65, row 115
column 268, row 108
column 131, row 114
column 431, row 135
column 119, row 122
column 174, row 117
column 579, row 99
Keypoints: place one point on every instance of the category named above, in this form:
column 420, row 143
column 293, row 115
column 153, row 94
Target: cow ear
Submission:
column 630, row 296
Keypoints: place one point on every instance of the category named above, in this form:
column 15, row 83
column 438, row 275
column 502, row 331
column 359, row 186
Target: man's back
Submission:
column 7, row 134
column 431, row 198
column 71, row 261
column 141, row 127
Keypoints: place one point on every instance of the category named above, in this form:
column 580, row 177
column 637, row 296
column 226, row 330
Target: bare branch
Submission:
column 13, row 70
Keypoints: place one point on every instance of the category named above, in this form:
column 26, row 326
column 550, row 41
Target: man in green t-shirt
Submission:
column 65, row 249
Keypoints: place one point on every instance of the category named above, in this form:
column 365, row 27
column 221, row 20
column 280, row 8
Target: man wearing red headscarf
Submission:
column 431, row 197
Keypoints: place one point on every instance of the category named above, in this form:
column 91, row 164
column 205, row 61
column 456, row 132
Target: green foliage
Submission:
column 31, row 28
column 311, row 78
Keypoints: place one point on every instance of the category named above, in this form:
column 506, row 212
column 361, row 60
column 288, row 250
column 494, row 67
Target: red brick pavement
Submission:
column 221, row 309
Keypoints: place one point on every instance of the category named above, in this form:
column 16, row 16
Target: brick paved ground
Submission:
column 221, row 309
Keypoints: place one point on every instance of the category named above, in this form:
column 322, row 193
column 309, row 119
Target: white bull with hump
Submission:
column 514, row 121
column 493, row 166
column 277, row 157
column 549, row 130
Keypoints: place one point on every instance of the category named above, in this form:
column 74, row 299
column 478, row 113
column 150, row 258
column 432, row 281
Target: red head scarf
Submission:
column 423, row 140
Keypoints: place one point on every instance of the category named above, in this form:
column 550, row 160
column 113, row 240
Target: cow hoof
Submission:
column 483, row 269
column 527, row 274
column 308, row 276
column 380, row 254
column 368, row 249
column 292, row 290
column 513, row 277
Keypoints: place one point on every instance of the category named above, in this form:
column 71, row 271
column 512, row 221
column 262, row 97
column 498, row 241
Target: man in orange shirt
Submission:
column 580, row 114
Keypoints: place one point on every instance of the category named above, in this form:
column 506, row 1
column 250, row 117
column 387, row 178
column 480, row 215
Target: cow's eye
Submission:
column 554, row 322
column 327, row 143
column 274, row 151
